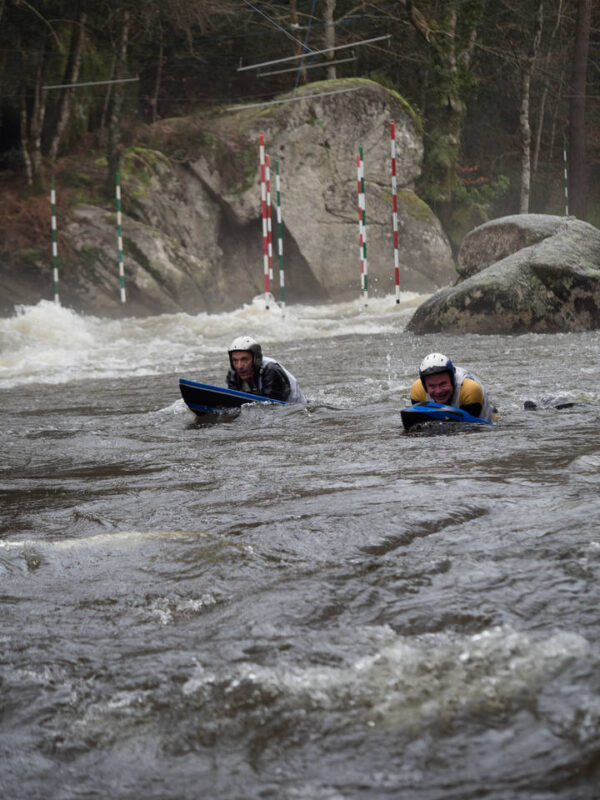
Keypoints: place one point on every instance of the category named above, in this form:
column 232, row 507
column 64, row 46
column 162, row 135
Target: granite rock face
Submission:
column 527, row 272
column 192, row 212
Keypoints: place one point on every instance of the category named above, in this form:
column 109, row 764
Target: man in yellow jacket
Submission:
column 439, row 380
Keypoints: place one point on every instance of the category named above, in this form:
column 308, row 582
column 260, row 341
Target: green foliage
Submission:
column 182, row 139
column 383, row 79
column 472, row 205
column 80, row 180
column 467, row 97
column 32, row 256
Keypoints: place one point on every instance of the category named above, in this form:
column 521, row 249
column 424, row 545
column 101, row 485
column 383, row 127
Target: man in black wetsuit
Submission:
column 257, row 374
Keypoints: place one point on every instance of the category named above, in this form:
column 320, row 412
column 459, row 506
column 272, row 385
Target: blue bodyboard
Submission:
column 202, row 398
column 437, row 412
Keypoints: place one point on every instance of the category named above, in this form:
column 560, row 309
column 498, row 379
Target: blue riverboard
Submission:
column 202, row 398
column 437, row 412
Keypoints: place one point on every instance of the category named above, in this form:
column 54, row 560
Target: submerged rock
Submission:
column 528, row 272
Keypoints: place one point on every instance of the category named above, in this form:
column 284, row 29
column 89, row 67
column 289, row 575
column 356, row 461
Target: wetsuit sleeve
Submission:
column 417, row 392
column 275, row 383
column 470, row 398
column 233, row 381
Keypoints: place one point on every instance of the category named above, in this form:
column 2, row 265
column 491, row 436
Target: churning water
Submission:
column 299, row 603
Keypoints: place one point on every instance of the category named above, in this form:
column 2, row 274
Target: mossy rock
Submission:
column 135, row 252
column 32, row 256
column 414, row 206
column 142, row 164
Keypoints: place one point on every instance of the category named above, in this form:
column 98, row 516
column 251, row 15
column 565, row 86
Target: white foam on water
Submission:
column 50, row 344
column 168, row 610
column 412, row 681
column 113, row 541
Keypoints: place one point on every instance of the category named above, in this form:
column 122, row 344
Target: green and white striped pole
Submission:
column 364, row 226
column 54, row 242
column 279, row 236
column 120, row 238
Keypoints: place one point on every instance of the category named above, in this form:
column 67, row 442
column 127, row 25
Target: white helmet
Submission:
column 434, row 363
column 250, row 345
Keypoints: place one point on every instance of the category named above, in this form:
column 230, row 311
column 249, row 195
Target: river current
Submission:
column 298, row 603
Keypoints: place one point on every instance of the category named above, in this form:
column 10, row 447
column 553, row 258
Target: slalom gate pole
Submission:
column 279, row 236
column 360, row 230
column 269, row 223
column 566, row 176
column 54, row 242
column 263, row 197
column 120, row 236
column 395, row 210
column 364, row 224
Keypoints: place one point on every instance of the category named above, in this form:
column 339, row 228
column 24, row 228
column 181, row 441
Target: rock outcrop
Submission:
column 528, row 272
column 192, row 224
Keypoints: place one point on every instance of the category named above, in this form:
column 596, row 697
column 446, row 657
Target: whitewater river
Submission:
column 297, row 603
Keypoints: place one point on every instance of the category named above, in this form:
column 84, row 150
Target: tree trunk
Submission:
column 555, row 116
column 446, row 108
column 31, row 124
column 106, row 105
column 37, row 125
column 25, row 140
column 330, row 36
column 71, row 75
column 2, row 67
column 114, row 130
column 524, row 121
column 156, row 92
column 577, row 149
column 542, row 111
column 297, row 47
column 525, row 143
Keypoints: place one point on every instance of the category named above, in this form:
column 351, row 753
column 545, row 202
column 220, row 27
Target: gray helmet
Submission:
column 248, row 344
column 434, row 363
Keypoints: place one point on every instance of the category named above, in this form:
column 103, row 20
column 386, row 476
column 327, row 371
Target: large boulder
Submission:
column 502, row 237
column 192, row 213
column 547, row 280
column 316, row 140
column 161, row 275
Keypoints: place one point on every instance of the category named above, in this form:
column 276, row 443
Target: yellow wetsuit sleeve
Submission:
column 417, row 392
column 470, row 392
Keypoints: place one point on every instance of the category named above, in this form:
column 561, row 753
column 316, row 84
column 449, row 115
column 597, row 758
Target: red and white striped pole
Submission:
column 54, row 241
column 395, row 210
column 120, row 237
column 360, row 229
column 269, row 222
column 263, row 197
column 364, row 226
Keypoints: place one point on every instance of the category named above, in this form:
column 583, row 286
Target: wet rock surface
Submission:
column 546, row 280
